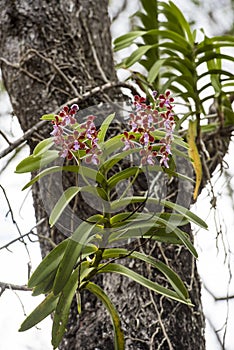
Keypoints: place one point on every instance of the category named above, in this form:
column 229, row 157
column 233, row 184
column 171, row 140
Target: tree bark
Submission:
column 51, row 53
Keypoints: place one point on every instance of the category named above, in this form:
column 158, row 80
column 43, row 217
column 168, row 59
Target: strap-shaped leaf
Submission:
column 180, row 209
column 45, row 286
column 156, row 232
column 182, row 65
column 155, row 69
column 176, row 48
column 143, row 227
column 150, row 8
column 204, row 47
column 181, row 20
column 104, row 127
column 49, row 117
column 46, row 270
column 85, row 171
column 45, row 308
column 43, row 173
column 63, row 201
column 137, row 54
column 48, row 264
column 162, row 235
column 63, row 306
column 172, row 277
column 123, row 270
column 127, row 217
column 127, row 39
column 43, row 146
column 61, row 314
column 211, row 55
column 32, row 162
column 118, row 332
column 122, row 175
column 72, row 253
column 216, row 71
column 194, row 154
column 112, row 160
column 169, row 34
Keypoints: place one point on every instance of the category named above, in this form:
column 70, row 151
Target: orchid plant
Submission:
column 99, row 242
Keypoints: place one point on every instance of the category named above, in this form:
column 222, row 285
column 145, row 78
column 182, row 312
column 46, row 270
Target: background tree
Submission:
column 58, row 53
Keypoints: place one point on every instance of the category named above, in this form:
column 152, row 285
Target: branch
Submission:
column 28, row 234
column 227, row 297
column 13, row 219
column 215, row 332
column 23, row 138
column 78, row 100
column 4, row 285
column 5, row 137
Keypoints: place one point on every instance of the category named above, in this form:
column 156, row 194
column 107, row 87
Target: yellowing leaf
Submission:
column 194, row 155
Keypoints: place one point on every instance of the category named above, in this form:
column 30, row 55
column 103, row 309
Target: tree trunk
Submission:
column 51, row 54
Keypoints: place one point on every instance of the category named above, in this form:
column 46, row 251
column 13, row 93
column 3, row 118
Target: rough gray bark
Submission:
column 52, row 52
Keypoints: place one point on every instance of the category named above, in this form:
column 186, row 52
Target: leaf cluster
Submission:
column 176, row 57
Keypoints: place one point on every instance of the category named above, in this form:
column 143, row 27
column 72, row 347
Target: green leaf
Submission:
column 162, row 235
column 121, row 175
column 180, row 209
column 111, row 253
column 175, row 47
column 62, row 203
column 118, row 332
column 127, row 39
column 45, row 272
column 45, row 286
column 172, row 277
column 213, row 55
column 76, row 244
column 98, row 192
column 169, row 34
column 32, row 162
column 137, row 54
column 148, row 218
column 187, row 213
column 182, row 21
column 150, row 6
column 49, row 117
column 217, row 71
column 43, row 146
column 112, row 160
column 104, row 127
column 123, row 270
column 42, row 311
column 181, row 235
column 43, row 173
column 144, row 226
column 155, row 69
column 61, row 314
column 155, row 232
column 48, row 264
column 183, row 66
